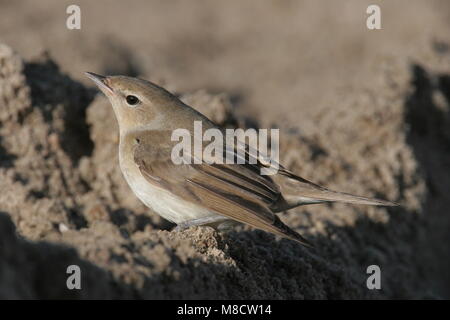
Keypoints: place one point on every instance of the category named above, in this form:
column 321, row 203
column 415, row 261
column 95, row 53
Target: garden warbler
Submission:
column 191, row 194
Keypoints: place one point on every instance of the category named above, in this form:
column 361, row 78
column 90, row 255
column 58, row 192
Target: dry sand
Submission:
column 359, row 111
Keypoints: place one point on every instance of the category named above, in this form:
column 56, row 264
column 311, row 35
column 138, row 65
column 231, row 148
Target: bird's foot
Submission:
column 198, row 222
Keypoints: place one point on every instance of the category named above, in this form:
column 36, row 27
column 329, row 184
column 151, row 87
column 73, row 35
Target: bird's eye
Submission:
column 132, row 100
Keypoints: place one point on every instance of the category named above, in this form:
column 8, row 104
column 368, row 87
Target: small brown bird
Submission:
column 190, row 194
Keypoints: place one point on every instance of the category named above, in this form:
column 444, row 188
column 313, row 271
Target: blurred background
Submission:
column 277, row 55
column 363, row 111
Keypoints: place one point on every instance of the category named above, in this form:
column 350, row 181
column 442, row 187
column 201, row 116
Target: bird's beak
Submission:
column 101, row 82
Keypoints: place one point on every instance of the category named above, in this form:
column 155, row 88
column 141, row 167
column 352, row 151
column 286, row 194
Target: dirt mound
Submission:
column 63, row 190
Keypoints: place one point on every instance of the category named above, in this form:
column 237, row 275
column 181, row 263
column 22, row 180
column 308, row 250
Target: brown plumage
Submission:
column 195, row 194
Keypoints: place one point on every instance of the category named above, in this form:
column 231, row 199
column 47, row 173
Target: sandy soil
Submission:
column 360, row 111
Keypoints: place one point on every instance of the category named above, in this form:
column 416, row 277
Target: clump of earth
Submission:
column 64, row 201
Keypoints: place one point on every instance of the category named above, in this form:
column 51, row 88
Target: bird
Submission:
column 189, row 194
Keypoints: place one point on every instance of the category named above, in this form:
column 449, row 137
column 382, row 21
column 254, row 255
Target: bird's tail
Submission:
column 307, row 192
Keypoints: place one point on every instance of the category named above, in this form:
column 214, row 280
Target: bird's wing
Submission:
column 238, row 192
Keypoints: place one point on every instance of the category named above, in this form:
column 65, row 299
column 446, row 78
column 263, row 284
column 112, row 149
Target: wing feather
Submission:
column 234, row 191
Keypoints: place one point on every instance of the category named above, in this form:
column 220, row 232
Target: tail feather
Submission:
column 308, row 192
column 319, row 196
column 328, row 195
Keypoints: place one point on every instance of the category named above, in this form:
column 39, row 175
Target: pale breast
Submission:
column 161, row 201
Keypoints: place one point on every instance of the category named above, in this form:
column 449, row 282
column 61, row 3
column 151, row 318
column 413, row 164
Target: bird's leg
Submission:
column 198, row 222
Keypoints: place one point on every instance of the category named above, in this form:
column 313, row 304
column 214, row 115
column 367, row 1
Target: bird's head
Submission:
column 137, row 103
